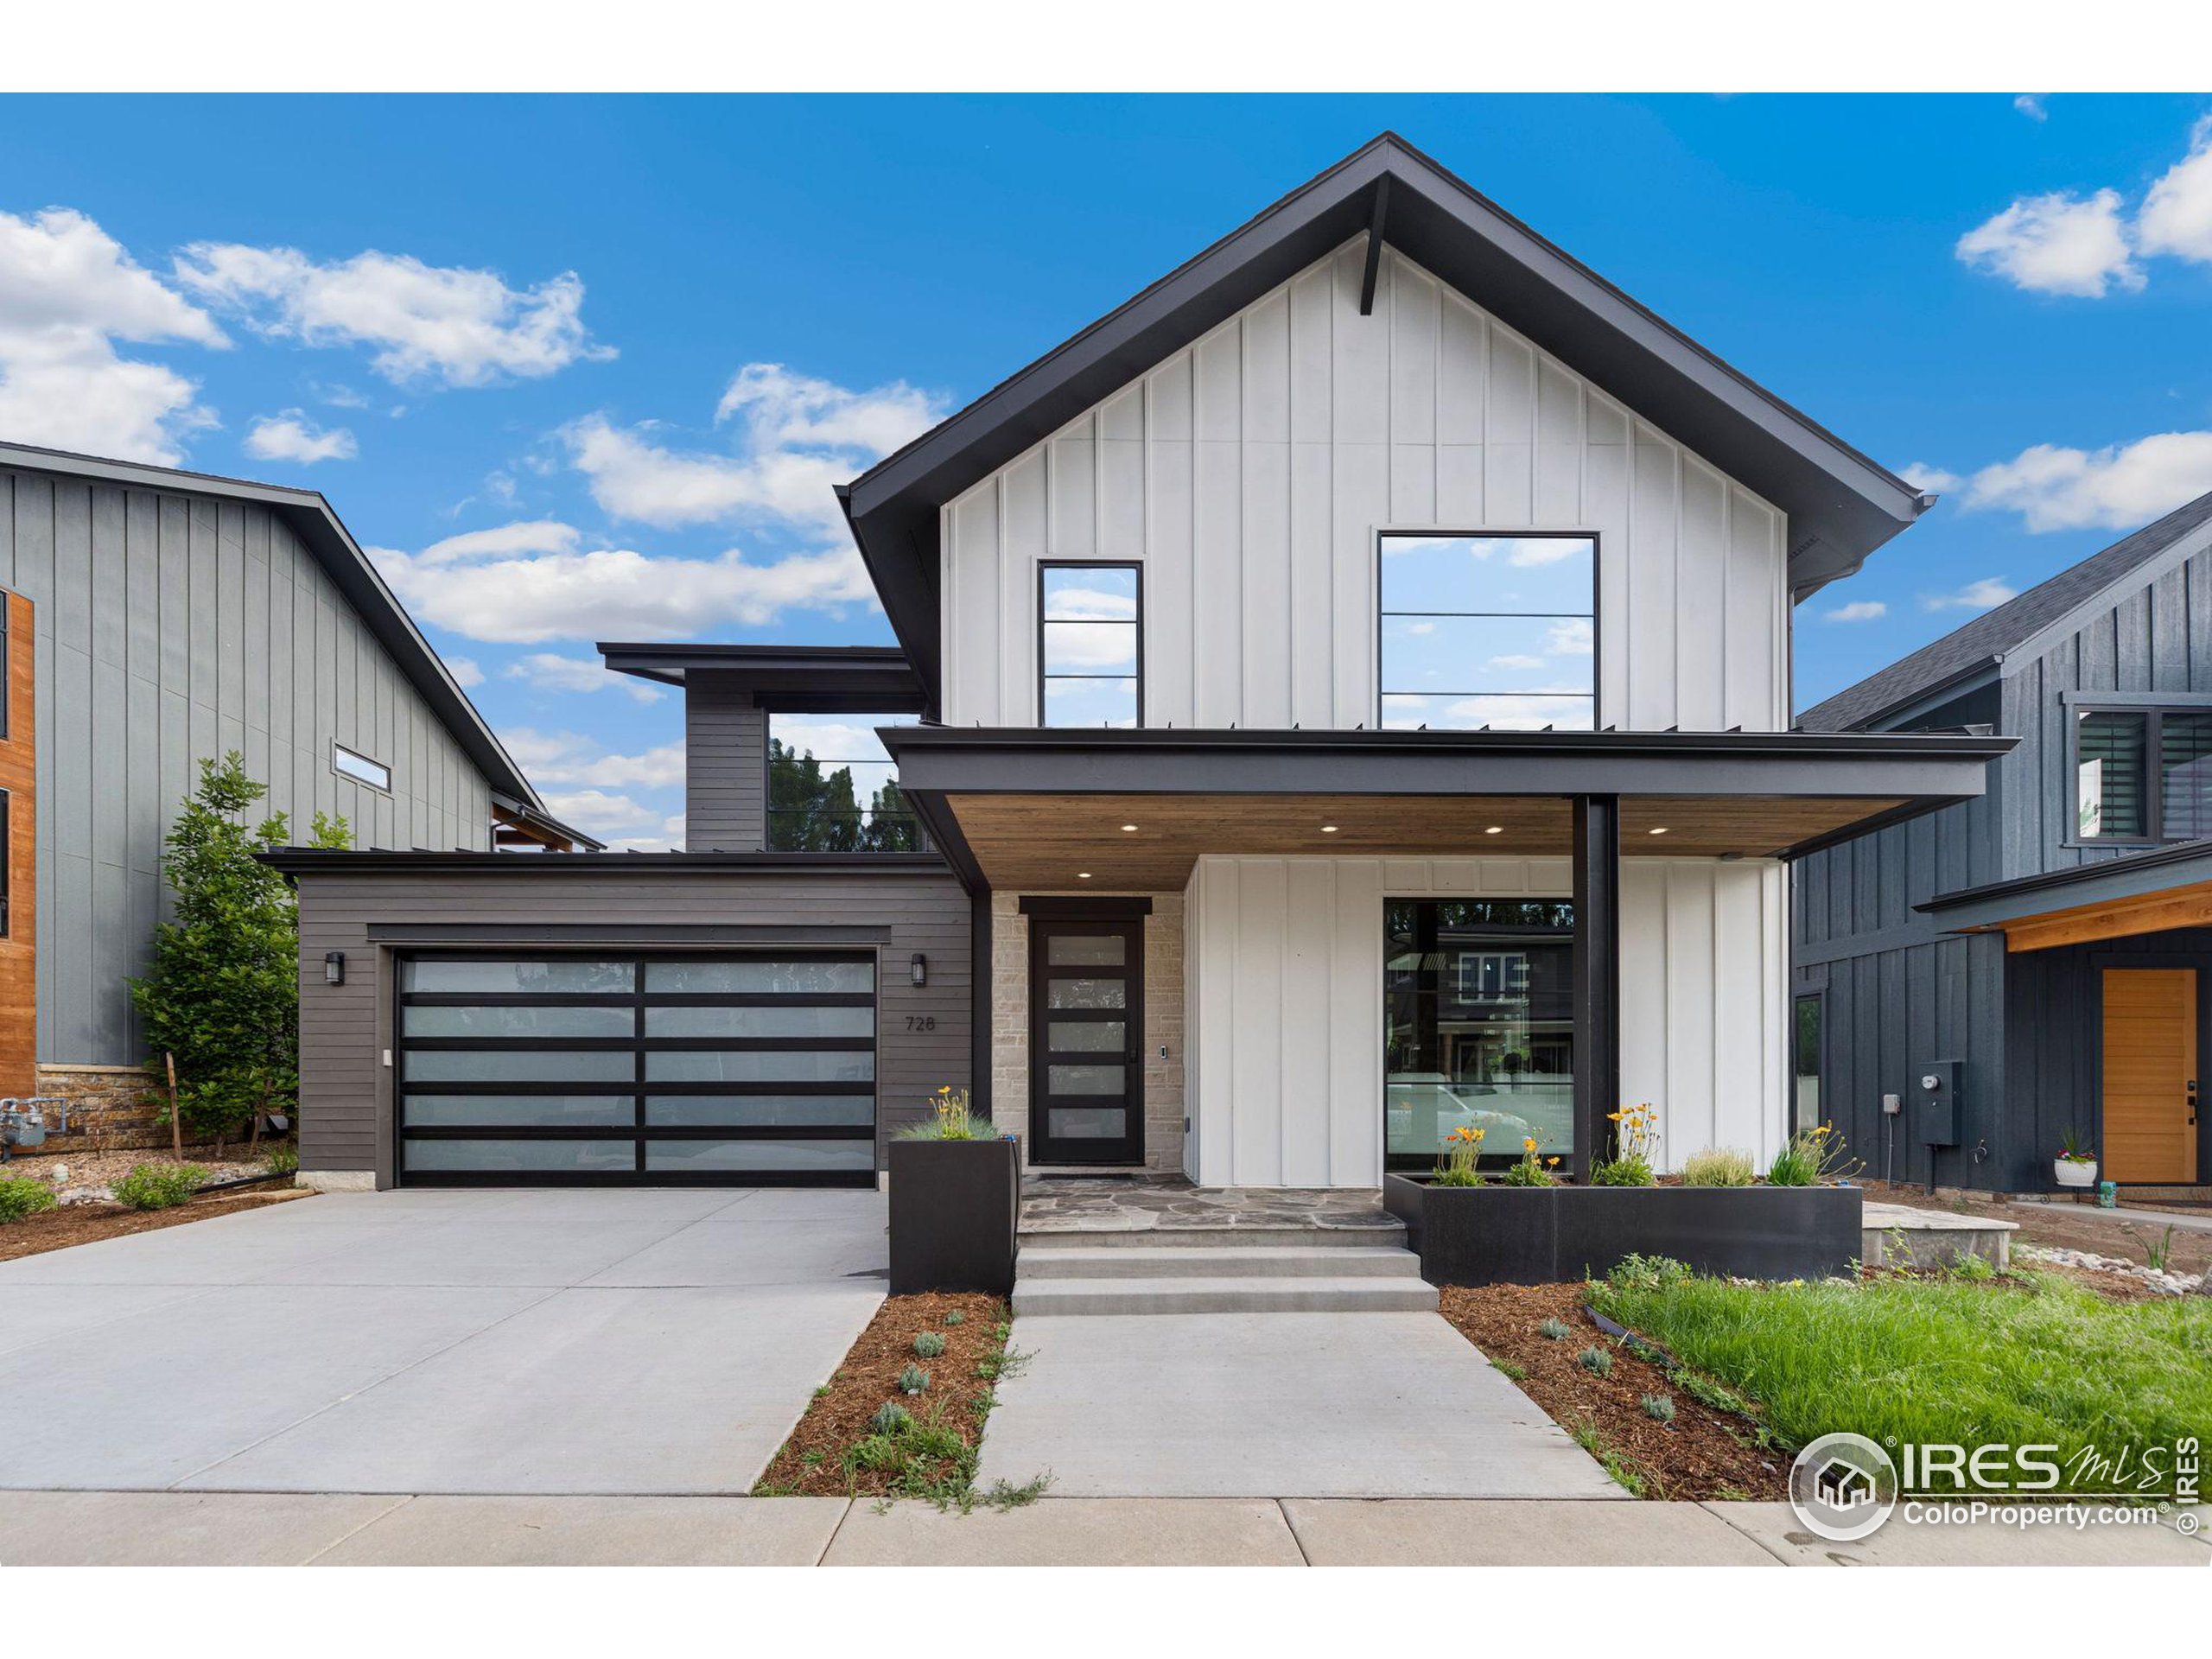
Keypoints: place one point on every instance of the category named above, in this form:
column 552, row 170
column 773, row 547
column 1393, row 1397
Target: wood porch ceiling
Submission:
column 2189, row 906
column 1047, row 842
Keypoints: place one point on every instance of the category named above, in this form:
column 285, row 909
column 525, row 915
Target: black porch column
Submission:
column 1596, row 976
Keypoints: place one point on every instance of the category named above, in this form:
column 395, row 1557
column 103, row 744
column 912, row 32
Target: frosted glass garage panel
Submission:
column 770, row 1157
column 519, row 1157
column 533, row 1065
column 755, row 976
column 799, row 1021
column 759, row 1065
column 519, row 1111
column 516, row 978
column 551, row 1020
column 759, row 1111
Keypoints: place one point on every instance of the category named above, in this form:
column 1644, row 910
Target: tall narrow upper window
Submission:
column 2142, row 774
column 362, row 769
column 1489, row 631
column 1090, row 647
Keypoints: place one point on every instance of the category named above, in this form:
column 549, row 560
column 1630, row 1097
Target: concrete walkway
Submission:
column 1273, row 1405
column 224, row 1529
column 659, row 1341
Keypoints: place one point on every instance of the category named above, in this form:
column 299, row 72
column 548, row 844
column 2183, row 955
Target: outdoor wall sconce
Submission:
column 919, row 966
column 333, row 967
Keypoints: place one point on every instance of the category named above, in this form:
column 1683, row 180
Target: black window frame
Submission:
column 770, row 813
column 1818, row 998
column 338, row 748
column 2153, row 712
column 1045, row 567
column 1448, row 533
column 7, row 862
column 7, row 701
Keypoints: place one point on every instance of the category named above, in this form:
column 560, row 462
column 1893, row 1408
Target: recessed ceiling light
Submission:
column 1495, row 830
column 1083, row 875
column 1128, row 829
column 1328, row 828
column 1660, row 830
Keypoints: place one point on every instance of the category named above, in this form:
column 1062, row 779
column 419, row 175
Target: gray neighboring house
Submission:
column 164, row 618
column 2041, row 952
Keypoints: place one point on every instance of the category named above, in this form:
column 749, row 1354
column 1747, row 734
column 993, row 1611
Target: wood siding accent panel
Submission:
column 1283, row 960
column 19, row 777
column 725, row 768
column 345, row 1090
column 168, row 627
column 1249, row 473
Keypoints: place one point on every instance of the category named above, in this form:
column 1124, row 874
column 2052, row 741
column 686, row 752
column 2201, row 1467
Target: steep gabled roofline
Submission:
column 1841, row 504
column 318, row 527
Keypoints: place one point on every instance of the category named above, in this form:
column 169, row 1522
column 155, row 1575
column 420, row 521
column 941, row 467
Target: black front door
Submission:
column 1086, row 1041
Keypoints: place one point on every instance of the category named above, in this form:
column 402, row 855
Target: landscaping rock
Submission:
column 2162, row 1283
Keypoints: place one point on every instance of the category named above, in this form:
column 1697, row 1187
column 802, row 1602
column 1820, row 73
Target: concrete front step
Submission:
column 1214, row 1238
column 1040, row 1262
column 1038, row 1297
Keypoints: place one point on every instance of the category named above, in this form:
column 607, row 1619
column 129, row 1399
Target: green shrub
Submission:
column 1458, row 1164
column 284, row 1159
column 157, row 1187
column 1530, row 1170
column 1812, row 1158
column 949, row 1119
column 1636, row 1271
column 1557, row 1329
column 1718, row 1167
column 1973, row 1268
column 1597, row 1361
column 955, row 1318
column 1621, row 1172
column 24, row 1195
column 1659, row 1408
column 929, row 1344
column 890, row 1418
column 914, row 1380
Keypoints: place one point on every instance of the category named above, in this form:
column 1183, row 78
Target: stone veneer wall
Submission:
column 110, row 1107
column 1163, row 1024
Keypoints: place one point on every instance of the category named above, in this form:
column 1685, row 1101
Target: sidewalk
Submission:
column 40, row 1529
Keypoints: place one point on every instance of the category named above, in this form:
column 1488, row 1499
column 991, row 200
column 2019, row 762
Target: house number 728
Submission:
column 921, row 1022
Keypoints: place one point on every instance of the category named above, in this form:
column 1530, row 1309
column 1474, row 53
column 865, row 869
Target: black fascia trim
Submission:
column 693, row 934
column 944, row 830
column 2115, row 872
column 821, row 679
column 319, row 861
column 1937, row 769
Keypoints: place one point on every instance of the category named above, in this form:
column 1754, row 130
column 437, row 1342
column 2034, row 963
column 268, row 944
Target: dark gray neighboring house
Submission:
column 174, row 617
column 2051, row 940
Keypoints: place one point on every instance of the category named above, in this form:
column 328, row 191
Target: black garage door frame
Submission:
column 770, row 996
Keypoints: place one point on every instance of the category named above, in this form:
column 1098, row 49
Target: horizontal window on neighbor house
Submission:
column 2143, row 774
column 832, row 787
column 1488, row 631
column 362, row 769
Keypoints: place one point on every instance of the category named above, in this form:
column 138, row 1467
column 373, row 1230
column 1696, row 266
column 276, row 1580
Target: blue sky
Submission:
column 621, row 345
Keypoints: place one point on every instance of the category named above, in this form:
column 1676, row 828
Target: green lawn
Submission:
column 2035, row 1360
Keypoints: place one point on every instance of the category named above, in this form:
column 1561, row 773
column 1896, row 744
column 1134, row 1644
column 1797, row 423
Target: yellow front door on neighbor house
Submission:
column 2149, row 1075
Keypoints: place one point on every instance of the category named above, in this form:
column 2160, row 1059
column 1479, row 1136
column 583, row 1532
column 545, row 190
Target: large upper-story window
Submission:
column 2142, row 774
column 1090, row 645
column 1489, row 631
column 832, row 787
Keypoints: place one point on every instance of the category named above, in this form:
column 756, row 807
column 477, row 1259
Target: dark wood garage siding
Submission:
column 922, row 1035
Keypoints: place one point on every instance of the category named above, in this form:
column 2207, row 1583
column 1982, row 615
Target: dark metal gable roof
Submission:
column 1841, row 504
column 311, row 518
column 1994, row 635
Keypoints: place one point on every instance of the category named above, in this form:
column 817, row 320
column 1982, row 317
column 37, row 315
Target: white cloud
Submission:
column 2177, row 215
column 2030, row 104
column 798, row 439
column 527, row 583
column 2116, row 487
column 1980, row 595
column 549, row 672
column 1534, row 551
column 292, row 437
column 601, row 813
column 1574, row 638
column 558, row 758
column 68, row 291
column 1517, row 662
column 465, row 672
column 1934, row 479
column 1859, row 610
column 424, row 323
column 2055, row 243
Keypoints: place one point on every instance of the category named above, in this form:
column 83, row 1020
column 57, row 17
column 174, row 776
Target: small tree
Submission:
column 223, row 999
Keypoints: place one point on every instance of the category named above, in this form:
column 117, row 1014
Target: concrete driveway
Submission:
column 597, row 1341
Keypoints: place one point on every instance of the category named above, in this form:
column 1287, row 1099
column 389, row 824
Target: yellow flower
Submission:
column 1551, row 1161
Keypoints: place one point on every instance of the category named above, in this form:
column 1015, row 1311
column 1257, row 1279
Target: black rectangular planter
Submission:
column 1555, row 1234
column 953, row 1208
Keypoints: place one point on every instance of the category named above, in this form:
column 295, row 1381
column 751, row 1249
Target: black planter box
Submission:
column 1555, row 1234
column 953, row 1208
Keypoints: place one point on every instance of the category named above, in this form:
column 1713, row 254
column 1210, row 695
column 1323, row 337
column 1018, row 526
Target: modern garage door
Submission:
column 636, row 1070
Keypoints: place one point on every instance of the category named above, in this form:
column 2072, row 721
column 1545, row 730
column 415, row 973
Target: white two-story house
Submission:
column 1353, row 684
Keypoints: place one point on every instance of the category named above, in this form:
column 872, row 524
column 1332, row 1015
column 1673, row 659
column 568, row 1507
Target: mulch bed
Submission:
column 811, row 1462
column 83, row 1223
column 1703, row 1453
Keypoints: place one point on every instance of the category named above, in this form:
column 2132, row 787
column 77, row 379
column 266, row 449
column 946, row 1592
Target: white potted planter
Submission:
column 2077, row 1166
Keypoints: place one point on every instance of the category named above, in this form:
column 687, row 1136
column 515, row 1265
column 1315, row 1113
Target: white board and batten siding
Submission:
column 1283, row 987
column 1250, row 474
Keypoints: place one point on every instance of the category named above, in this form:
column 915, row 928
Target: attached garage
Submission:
column 599, row 1068
column 632, row 1019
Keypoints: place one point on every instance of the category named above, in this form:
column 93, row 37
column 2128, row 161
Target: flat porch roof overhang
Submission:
column 1020, row 807
column 2150, row 891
